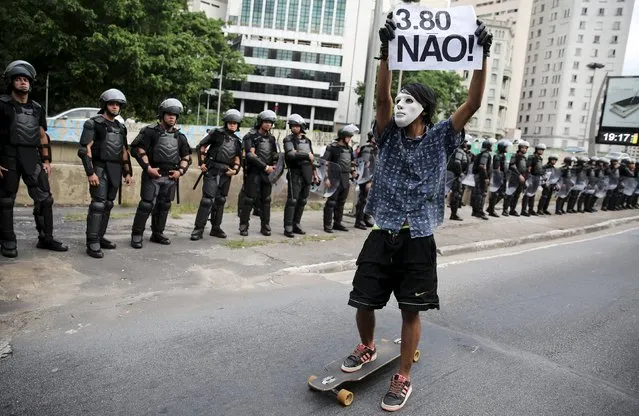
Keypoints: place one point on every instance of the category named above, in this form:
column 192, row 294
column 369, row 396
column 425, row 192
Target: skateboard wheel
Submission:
column 416, row 356
column 345, row 397
column 310, row 380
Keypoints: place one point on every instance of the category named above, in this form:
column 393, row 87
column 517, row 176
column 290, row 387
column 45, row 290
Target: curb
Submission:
column 344, row 265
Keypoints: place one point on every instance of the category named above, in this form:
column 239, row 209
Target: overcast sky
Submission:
column 631, row 63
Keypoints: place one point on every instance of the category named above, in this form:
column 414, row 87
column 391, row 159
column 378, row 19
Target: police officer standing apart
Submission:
column 218, row 165
column 499, row 165
column 164, row 154
column 481, row 171
column 546, row 187
column 299, row 160
column 261, row 159
column 341, row 153
column 517, row 172
column 367, row 153
column 536, row 171
column 458, row 165
column 104, row 152
column 24, row 152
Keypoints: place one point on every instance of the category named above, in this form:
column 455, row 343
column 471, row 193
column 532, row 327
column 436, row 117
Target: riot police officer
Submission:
column 612, row 173
column 499, row 166
column 25, row 153
column 298, row 151
column 565, row 175
column 583, row 202
column 164, row 154
column 341, row 153
column 517, row 173
column 579, row 174
column 481, row 171
column 458, row 165
column 261, row 152
column 104, row 152
column 536, row 171
column 218, row 165
column 547, row 188
column 366, row 155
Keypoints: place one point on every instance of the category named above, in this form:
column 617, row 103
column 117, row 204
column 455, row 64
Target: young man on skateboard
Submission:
column 407, row 202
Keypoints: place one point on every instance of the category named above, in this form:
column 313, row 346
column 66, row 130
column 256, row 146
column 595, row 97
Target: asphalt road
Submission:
column 546, row 331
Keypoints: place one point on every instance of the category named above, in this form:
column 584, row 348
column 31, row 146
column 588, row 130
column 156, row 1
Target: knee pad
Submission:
column 206, row 202
column 267, row 200
column 220, row 200
column 47, row 202
column 302, row 202
column 331, row 203
column 249, row 201
column 291, row 202
column 6, row 203
column 145, row 206
column 108, row 205
column 96, row 206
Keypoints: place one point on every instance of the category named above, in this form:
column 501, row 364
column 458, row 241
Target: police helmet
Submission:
column 112, row 95
column 171, row 106
column 296, row 120
column 266, row 115
column 540, row 146
column 553, row 156
column 347, row 131
column 232, row 116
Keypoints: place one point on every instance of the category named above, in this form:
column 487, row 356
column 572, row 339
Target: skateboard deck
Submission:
column 332, row 377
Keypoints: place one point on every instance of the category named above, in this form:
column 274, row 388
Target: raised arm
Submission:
column 384, row 100
column 476, row 89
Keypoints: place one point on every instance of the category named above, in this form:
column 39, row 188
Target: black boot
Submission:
column 105, row 243
column 94, row 221
column 46, row 241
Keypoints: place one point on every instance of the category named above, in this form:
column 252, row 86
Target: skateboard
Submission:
column 333, row 377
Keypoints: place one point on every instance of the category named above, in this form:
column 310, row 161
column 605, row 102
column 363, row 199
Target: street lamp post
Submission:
column 591, row 145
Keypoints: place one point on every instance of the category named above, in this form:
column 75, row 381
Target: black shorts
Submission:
column 395, row 263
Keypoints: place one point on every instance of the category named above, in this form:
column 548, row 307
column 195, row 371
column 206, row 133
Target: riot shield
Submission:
column 613, row 181
column 513, row 184
column 328, row 178
column 496, row 180
column 450, row 178
column 629, row 186
column 580, row 181
column 469, row 180
column 591, row 186
column 554, row 175
column 602, row 187
column 279, row 169
column 365, row 169
column 565, row 185
column 532, row 185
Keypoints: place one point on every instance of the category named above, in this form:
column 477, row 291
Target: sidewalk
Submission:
column 316, row 247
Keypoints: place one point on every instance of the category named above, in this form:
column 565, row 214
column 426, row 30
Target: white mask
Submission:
column 407, row 109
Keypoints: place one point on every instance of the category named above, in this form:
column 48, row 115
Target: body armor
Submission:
column 264, row 150
column 537, row 168
column 345, row 158
column 26, row 128
column 111, row 145
column 166, row 150
column 225, row 152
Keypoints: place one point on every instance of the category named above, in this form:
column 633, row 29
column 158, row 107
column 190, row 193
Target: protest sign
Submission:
column 428, row 38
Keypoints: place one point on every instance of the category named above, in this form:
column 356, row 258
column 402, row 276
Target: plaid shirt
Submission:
column 409, row 178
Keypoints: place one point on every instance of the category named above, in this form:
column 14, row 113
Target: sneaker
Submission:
column 399, row 391
column 358, row 358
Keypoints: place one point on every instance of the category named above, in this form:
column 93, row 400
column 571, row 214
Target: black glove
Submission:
column 484, row 37
column 386, row 33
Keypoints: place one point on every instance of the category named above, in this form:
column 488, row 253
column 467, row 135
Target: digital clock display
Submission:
column 622, row 138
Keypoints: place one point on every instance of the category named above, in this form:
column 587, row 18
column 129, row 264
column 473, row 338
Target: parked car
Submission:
column 618, row 155
column 80, row 113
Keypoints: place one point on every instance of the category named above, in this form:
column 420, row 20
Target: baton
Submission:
column 198, row 180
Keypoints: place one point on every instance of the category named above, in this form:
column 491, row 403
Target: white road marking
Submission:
column 518, row 252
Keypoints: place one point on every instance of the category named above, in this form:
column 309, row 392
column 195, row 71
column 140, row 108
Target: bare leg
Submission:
column 365, row 319
column 411, row 331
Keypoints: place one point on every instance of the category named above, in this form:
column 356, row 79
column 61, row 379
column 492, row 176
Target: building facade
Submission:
column 490, row 120
column 572, row 45
column 214, row 9
column 516, row 14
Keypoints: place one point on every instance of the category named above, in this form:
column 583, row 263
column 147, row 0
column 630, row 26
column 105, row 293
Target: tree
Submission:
column 150, row 50
column 446, row 84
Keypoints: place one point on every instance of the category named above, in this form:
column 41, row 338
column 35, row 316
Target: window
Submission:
column 566, row 13
column 582, row 25
column 541, row 19
column 537, row 130
column 596, row 39
column 572, row 92
column 316, row 17
column 619, row 11
column 491, row 93
column 616, row 25
column 489, row 108
column 577, row 51
column 575, row 65
column 340, row 14
column 488, row 123
column 611, row 53
column 584, row 11
column 496, row 63
column 293, row 21
column 590, row 79
column 327, row 29
column 532, row 82
column 497, row 48
column 527, row 118
column 530, row 94
column 280, row 18
column 520, row 117
column 601, row 11
column 269, row 8
column 542, row 92
column 573, row 78
column 595, row 53
column 528, row 106
column 493, row 78
column 257, row 13
column 598, row 25
column 570, row 103
column 568, row 118
column 540, row 106
column 539, row 118
column 580, row 38
column 548, row 55
column 614, row 39
column 582, row 119
column 525, row 130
